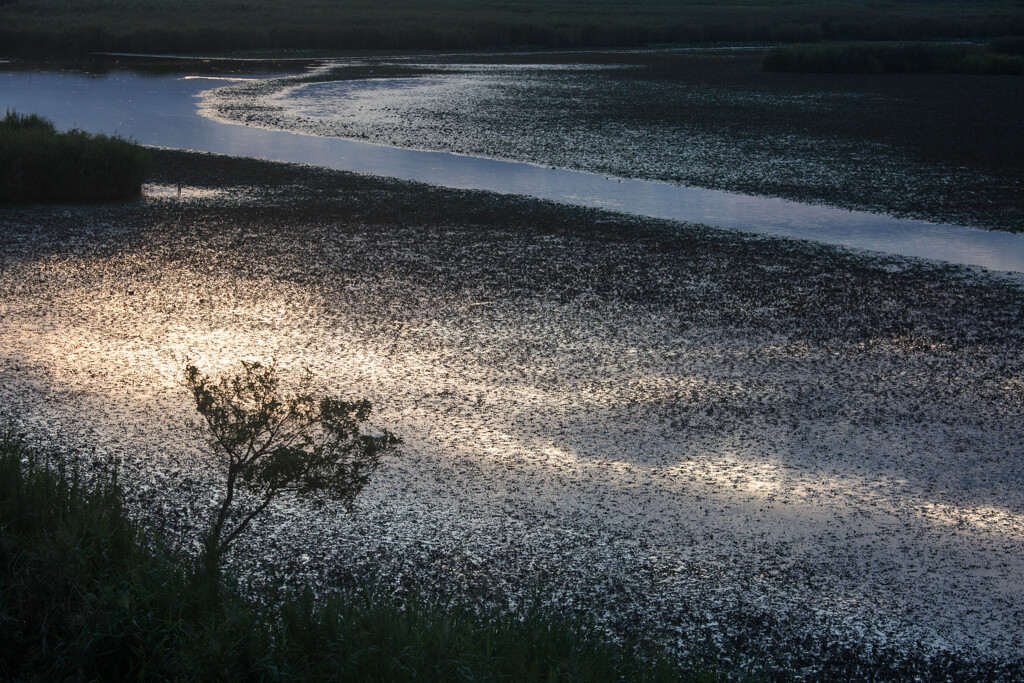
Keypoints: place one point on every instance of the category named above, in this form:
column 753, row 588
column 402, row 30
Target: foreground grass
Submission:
column 86, row 595
column 191, row 25
column 41, row 164
column 1001, row 57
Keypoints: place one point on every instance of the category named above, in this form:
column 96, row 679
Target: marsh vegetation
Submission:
column 86, row 593
column 941, row 147
column 159, row 26
column 41, row 164
column 791, row 458
column 1004, row 57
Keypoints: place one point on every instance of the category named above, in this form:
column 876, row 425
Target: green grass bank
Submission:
column 193, row 26
column 88, row 595
column 41, row 164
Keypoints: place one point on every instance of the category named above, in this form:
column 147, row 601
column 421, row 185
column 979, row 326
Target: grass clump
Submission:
column 42, row 164
column 85, row 595
column 1002, row 57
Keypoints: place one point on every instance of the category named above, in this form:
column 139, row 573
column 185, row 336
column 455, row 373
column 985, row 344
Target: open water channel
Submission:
column 163, row 110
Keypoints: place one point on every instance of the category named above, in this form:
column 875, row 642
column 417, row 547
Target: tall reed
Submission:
column 42, row 164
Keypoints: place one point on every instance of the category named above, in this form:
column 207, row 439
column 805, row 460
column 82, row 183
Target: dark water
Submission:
column 162, row 109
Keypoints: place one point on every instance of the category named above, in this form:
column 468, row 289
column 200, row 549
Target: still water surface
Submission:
column 162, row 110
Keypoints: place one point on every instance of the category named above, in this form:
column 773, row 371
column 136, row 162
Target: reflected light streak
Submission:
column 121, row 338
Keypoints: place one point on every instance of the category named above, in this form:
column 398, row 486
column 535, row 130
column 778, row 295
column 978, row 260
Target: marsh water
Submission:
column 162, row 109
column 814, row 455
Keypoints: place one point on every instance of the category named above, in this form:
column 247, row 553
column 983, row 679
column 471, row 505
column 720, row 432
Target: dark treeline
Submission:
column 1001, row 57
column 192, row 26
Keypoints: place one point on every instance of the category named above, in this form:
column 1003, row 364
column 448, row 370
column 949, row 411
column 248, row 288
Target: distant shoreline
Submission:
column 37, row 26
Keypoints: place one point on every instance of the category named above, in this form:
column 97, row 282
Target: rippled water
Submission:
column 162, row 110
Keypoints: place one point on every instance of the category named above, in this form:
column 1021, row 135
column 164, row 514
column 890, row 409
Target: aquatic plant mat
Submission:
column 939, row 147
column 775, row 453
